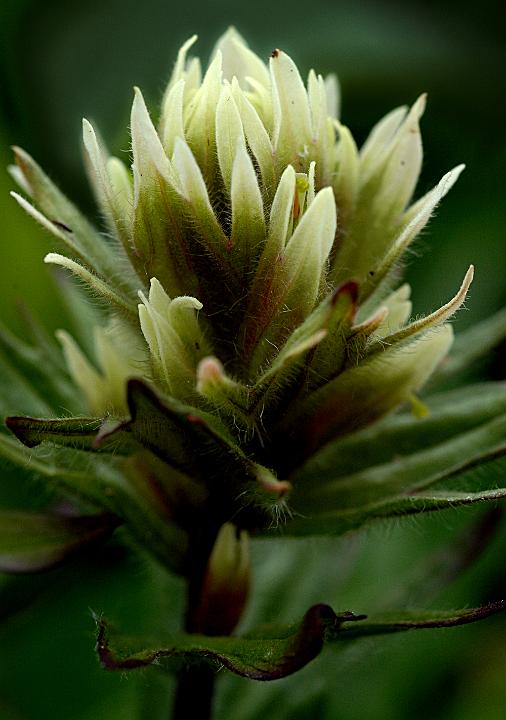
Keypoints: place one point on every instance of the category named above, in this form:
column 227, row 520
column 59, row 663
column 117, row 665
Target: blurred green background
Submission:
column 62, row 60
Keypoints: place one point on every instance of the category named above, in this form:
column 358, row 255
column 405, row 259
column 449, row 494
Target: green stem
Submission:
column 195, row 687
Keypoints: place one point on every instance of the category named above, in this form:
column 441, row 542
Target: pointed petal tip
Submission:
column 462, row 293
column 19, row 152
column 27, row 206
column 155, row 283
column 455, row 172
column 449, row 179
column 21, row 156
column 138, row 101
column 419, row 105
column 138, row 105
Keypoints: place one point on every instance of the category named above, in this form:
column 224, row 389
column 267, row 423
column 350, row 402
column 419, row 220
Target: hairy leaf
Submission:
column 273, row 652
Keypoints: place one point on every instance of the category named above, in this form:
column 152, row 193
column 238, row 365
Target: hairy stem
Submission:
column 195, row 687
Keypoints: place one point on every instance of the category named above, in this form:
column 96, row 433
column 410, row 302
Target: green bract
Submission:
column 254, row 341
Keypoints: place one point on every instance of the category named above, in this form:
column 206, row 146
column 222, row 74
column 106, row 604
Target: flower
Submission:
column 255, row 341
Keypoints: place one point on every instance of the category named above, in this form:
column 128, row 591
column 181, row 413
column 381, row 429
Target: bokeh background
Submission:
column 60, row 60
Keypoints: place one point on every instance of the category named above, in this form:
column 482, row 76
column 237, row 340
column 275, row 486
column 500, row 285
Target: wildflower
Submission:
column 259, row 341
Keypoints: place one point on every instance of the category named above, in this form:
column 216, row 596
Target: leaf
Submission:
column 269, row 653
column 450, row 414
column 177, row 433
column 68, row 469
column 274, row 652
column 339, row 522
column 417, row 620
column 129, row 488
column 197, row 443
column 401, row 486
column 31, row 542
column 77, row 432
column 436, row 570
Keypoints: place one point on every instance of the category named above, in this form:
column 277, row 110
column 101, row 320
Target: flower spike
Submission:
column 251, row 368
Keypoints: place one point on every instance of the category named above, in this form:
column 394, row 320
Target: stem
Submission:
column 218, row 585
column 194, row 692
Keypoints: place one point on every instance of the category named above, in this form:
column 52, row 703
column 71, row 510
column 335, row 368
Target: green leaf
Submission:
column 177, row 433
column 450, row 414
column 197, row 443
column 342, row 521
column 415, row 620
column 78, row 432
column 30, row 542
column 273, row 652
column 130, row 488
column 400, row 486
column 94, row 480
column 268, row 653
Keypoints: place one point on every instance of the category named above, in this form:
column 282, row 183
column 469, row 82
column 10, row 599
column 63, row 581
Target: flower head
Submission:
column 252, row 348
column 251, row 282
